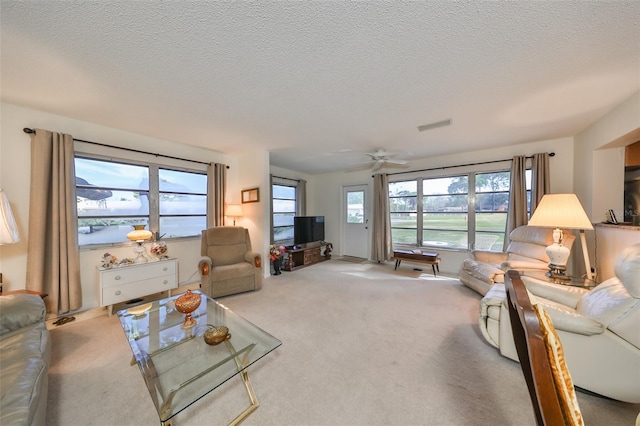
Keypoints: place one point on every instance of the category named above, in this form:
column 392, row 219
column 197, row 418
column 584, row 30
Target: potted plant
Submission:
column 276, row 253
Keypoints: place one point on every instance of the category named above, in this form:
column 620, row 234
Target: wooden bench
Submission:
column 427, row 257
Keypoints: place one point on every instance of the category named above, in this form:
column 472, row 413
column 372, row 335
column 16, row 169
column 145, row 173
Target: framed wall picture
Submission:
column 251, row 195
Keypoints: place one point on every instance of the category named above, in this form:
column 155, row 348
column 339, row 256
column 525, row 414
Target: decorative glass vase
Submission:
column 187, row 303
column 159, row 249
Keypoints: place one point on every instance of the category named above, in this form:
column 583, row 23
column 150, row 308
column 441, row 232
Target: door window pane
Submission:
column 355, row 206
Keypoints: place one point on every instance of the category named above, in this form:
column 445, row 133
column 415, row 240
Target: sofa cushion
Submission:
column 628, row 269
column 530, row 242
column 228, row 272
column 607, row 302
column 484, row 271
column 20, row 310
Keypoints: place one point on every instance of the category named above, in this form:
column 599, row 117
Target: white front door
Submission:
column 355, row 218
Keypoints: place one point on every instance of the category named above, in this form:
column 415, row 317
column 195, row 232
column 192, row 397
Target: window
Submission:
column 492, row 204
column 403, row 210
column 284, row 209
column 445, row 202
column 457, row 212
column 112, row 196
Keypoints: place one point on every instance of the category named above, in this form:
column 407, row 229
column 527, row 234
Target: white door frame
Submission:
column 356, row 239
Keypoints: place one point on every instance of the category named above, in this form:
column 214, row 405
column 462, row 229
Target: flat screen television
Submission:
column 308, row 229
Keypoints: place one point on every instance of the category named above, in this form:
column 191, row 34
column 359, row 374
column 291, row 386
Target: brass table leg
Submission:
column 247, row 384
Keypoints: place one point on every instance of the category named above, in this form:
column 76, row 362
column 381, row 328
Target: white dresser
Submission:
column 129, row 282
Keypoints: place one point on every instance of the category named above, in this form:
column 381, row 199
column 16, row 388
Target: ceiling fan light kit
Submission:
column 430, row 126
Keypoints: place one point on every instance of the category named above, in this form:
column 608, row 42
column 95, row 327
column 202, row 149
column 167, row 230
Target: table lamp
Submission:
column 139, row 235
column 8, row 228
column 562, row 211
column 233, row 211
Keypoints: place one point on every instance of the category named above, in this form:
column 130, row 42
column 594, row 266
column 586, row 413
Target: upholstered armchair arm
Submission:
column 563, row 294
column 489, row 256
column 204, row 266
column 253, row 258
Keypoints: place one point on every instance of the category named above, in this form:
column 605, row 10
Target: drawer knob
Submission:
column 118, row 277
column 165, row 282
column 118, row 293
column 165, row 269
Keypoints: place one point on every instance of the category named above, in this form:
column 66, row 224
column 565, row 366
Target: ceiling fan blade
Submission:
column 399, row 162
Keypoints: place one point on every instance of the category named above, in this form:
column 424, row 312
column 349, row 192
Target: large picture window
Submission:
column 458, row 212
column 113, row 196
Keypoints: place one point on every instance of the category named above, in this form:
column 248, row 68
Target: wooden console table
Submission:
column 306, row 254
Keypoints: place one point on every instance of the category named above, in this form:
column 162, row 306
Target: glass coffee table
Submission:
column 178, row 366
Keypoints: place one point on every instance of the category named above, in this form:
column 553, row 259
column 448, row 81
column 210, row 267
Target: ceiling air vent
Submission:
column 434, row 125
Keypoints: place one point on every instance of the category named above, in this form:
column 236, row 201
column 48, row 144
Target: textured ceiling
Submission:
column 320, row 83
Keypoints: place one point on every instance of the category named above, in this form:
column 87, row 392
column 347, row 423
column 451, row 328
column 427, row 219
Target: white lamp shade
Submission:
column 560, row 211
column 8, row 228
column 233, row 210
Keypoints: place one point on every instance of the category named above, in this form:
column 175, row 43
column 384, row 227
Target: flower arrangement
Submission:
column 276, row 252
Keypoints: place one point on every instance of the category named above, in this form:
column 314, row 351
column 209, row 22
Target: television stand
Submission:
column 303, row 255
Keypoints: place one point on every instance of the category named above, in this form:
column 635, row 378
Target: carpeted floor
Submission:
column 362, row 345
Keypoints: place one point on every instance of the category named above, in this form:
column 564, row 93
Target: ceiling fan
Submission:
column 382, row 158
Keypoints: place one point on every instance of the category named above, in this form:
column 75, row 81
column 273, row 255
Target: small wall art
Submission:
column 251, row 195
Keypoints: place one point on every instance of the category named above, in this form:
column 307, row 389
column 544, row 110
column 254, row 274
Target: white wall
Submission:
column 599, row 176
column 254, row 173
column 15, row 177
column 326, row 199
column 599, row 171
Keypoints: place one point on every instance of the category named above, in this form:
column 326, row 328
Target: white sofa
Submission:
column 599, row 329
column 525, row 252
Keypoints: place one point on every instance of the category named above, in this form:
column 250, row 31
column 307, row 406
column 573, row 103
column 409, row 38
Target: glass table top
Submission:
column 571, row 281
column 177, row 365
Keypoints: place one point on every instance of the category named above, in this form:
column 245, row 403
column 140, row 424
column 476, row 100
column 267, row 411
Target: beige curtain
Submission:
column 381, row 236
column 216, row 189
column 517, row 215
column 53, row 263
column 539, row 178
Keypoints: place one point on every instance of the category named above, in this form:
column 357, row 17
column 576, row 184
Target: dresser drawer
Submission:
column 128, row 291
column 135, row 273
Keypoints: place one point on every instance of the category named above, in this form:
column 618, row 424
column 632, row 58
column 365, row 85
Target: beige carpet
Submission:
column 362, row 345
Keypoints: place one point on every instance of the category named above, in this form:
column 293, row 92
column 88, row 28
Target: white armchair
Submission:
column 525, row 252
column 599, row 329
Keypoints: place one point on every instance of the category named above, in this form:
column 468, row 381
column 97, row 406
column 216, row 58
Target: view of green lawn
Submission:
column 450, row 230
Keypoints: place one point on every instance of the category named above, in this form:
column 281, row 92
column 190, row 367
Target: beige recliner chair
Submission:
column 599, row 329
column 228, row 265
column 525, row 252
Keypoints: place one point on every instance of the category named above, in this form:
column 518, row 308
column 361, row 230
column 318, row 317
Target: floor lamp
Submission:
column 562, row 211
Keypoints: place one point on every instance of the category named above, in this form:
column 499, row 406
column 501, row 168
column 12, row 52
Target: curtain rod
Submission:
column 28, row 130
column 286, row 178
column 551, row 154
